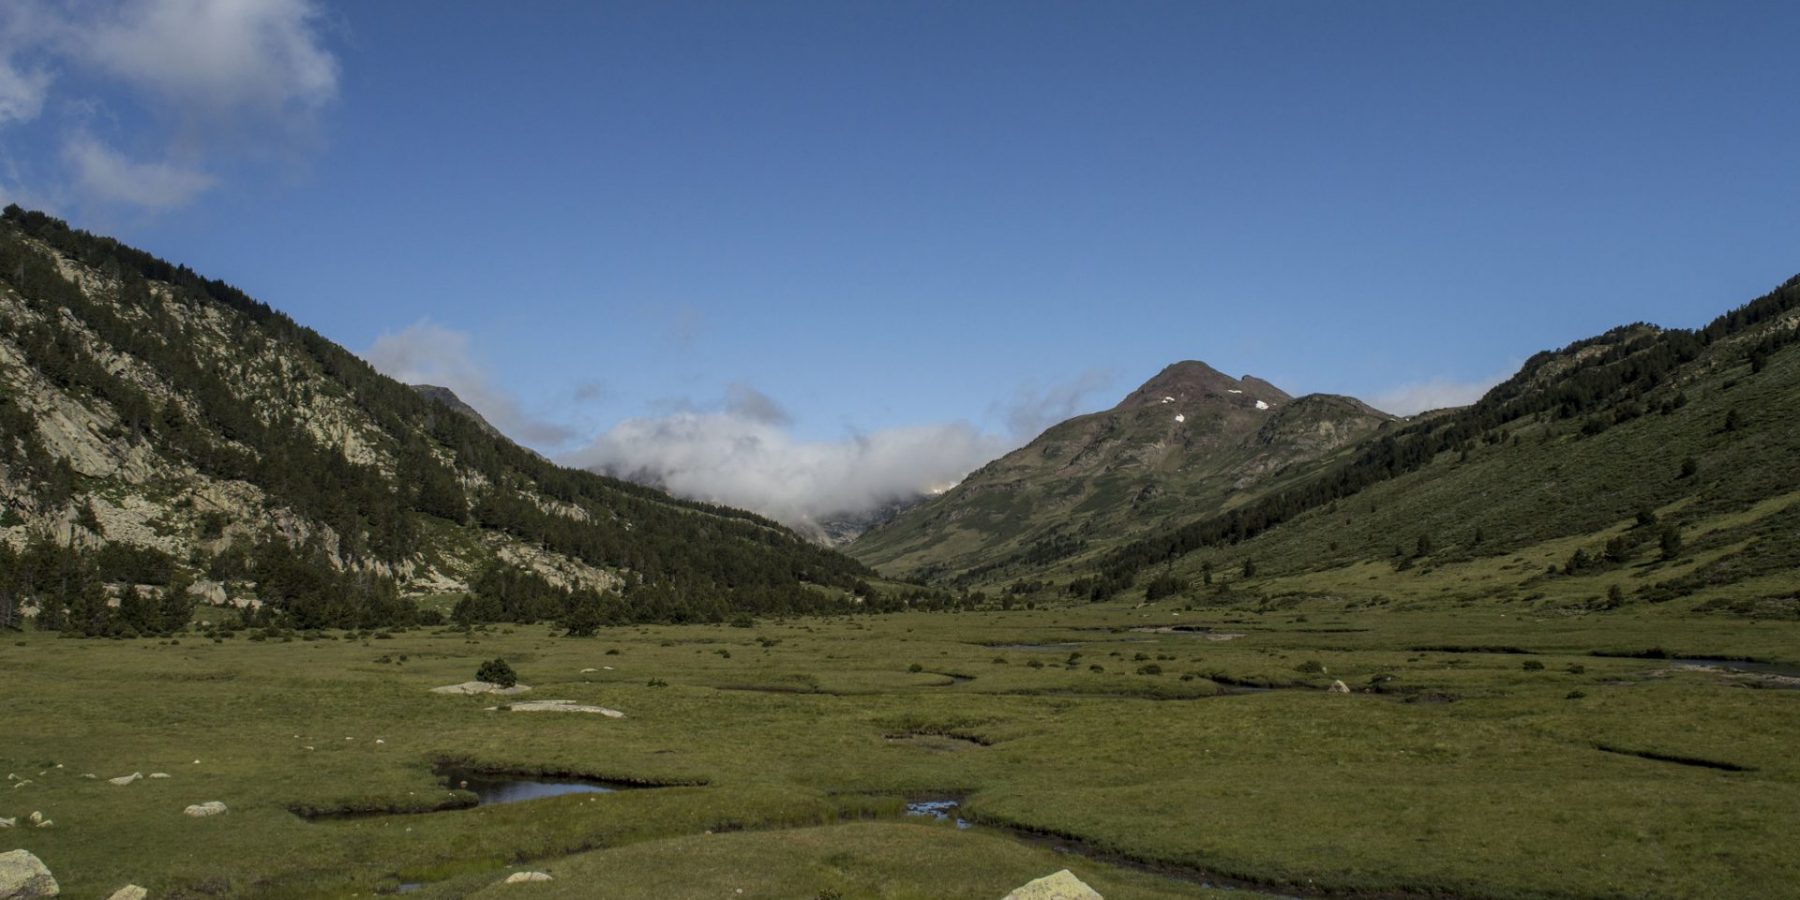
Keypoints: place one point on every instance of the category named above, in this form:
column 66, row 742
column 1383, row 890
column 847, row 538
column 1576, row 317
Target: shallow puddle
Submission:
column 941, row 810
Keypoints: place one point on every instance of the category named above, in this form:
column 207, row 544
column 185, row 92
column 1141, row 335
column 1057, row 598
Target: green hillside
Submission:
column 1190, row 440
column 164, row 437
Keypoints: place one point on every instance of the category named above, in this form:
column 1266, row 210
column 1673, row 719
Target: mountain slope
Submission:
column 1190, row 440
column 158, row 428
column 1672, row 454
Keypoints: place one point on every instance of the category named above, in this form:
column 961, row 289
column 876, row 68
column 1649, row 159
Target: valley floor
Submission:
column 1483, row 752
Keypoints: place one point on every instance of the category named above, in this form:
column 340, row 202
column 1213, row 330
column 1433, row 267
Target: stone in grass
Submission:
column 1338, row 687
column 1061, row 886
column 480, row 687
column 201, row 810
column 25, row 877
column 129, row 892
column 523, row 877
column 124, row 780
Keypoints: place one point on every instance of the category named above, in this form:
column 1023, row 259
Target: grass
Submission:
column 1504, row 792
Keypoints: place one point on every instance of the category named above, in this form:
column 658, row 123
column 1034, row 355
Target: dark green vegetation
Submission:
column 158, row 428
column 1524, row 754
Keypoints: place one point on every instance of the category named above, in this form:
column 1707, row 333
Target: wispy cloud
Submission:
column 427, row 353
column 22, row 92
column 101, row 173
column 206, row 85
column 743, row 452
column 1434, row 393
column 1034, row 408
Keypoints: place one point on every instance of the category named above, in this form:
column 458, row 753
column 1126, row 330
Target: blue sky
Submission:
column 919, row 230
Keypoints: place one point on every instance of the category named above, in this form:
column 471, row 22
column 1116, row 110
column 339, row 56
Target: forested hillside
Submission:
column 165, row 439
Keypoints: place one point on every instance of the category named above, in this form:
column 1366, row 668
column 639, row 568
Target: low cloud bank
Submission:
column 743, row 454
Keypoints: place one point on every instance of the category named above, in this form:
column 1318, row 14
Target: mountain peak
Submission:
column 1191, row 380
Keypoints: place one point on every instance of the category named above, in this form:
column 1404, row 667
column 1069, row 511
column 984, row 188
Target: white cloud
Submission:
column 1435, row 393
column 218, row 57
column 21, row 93
column 103, row 174
column 204, row 84
column 744, row 455
column 427, row 353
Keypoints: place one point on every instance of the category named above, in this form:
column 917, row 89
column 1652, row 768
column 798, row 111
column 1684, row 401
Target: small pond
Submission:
column 494, row 787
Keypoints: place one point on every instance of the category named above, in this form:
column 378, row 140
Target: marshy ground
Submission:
column 1483, row 752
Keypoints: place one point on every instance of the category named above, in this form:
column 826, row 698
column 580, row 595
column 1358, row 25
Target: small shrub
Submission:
column 915, row 668
column 1311, row 667
column 1532, row 665
column 496, row 671
column 1574, row 695
column 1149, row 669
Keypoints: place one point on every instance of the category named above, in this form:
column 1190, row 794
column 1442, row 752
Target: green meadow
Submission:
column 1484, row 751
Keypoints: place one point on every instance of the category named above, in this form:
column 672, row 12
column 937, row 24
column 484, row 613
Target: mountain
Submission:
column 164, row 436
column 1191, row 440
column 1669, row 454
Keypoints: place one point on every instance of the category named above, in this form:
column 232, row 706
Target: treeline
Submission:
column 222, row 421
column 1608, row 379
column 68, row 587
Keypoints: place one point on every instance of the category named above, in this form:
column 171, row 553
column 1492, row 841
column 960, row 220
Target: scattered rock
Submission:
column 480, row 687
column 209, row 808
column 589, row 669
column 90, row 776
column 129, row 892
column 37, row 818
column 1338, row 687
column 25, row 877
column 565, row 706
column 523, row 877
column 10, row 823
column 124, row 780
column 161, row 775
column 1061, row 886
column 46, row 823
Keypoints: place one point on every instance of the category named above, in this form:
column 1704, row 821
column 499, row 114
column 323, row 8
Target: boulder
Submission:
column 201, row 810
column 565, row 706
column 523, row 877
column 1060, row 886
column 160, row 775
column 1338, row 687
column 25, row 877
column 129, row 892
column 124, row 780
column 480, row 687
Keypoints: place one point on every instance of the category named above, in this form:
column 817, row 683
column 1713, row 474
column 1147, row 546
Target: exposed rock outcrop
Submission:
column 1060, row 886
column 25, row 877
